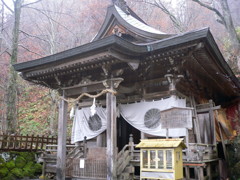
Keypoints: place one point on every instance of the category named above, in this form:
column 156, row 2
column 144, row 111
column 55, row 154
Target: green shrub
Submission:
column 17, row 172
column 10, row 176
column 38, row 168
column 29, row 170
column 28, row 156
column 1, row 160
column 3, row 172
column 10, row 165
column 20, row 162
column 19, row 165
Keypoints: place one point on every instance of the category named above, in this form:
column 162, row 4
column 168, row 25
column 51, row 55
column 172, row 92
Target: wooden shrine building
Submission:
column 139, row 63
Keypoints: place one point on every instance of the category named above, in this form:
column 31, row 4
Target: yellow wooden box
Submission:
column 161, row 158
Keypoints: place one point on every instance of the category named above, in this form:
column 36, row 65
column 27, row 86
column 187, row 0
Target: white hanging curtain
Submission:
column 146, row 116
column 84, row 124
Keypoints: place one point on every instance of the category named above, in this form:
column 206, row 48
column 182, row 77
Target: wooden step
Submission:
column 50, row 168
column 125, row 176
column 135, row 162
column 136, row 177
column 49, row 156
column 129, row 169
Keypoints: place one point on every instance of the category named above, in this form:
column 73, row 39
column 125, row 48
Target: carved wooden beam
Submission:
column 90, row 87
column 132, row 61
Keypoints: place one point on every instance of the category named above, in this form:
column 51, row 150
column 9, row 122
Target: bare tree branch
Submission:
column 159, row 4
column 30, row 35
column 30, row 50
column 52, row 19
column 212, row 9
column 31, row 3
column 5, row 51
column 7, row 6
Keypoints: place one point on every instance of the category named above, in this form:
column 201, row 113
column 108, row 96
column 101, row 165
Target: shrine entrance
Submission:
column 124, row 129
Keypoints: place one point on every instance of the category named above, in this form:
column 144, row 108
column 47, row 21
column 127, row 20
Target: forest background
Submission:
column 35, row 29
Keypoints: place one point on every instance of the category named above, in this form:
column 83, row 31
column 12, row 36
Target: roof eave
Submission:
column 113, row 42
column 214, row 49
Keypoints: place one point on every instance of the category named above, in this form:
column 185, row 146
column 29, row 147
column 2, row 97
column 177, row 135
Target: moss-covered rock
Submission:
column 10, row 165
column 28, row 156
column 29, row 170
column 2, row 160
column 20, row 162
column 17, row 172
column 13, row 154
column 3, row 172
column 38, row 168
column 19, row 165
column 10, row 176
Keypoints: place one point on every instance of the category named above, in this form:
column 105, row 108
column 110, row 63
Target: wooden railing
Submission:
column 127, row 157
column 199, row 152
column 26, row 143
column 79, row 151
column 123, row 159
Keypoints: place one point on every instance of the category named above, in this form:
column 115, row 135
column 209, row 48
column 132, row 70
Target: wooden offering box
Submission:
column 161, row 158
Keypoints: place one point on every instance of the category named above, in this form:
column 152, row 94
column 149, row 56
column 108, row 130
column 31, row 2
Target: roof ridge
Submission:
column 122, row 4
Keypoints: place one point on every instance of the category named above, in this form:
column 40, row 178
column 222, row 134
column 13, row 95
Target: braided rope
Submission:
column 89, row 95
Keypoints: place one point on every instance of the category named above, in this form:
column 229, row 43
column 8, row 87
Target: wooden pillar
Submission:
column 200, row 173
column 187, row 173
column 209, row 171
column 100, row 140
column 111, row 136
column 111, row 129
column 62, row 136
column 143, row 135
column 212, row 122
column 187, row 143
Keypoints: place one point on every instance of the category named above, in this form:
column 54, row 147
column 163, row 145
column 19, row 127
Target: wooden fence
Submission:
column 26, row 143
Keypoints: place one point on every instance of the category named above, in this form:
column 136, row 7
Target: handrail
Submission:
column 122, row 151
column 81, row 149
column 125, row 156
column 201, row 144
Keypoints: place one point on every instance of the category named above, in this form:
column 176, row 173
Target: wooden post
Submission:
column 143, row 135
column 212, row 122
column 167, row 133
column 209, row 173
column 200, row 173
column 187, row 143
column 100, row 140
column 111, row 135
column 62, row 135
column 131, row 145
column 85, row 147
column 187, row 173
column 195, row 120
column 111, row 129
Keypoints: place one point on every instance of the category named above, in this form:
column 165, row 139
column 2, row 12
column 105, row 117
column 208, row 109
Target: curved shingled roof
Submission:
column 131, row 23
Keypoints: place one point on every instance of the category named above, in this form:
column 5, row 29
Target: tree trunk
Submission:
column 12, row 82
column 229, row 26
